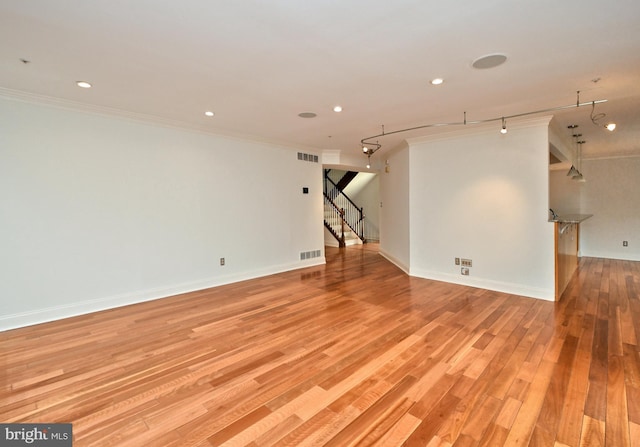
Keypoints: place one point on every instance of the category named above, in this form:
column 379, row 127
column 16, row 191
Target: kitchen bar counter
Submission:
column 567, row 235
column 572, row 218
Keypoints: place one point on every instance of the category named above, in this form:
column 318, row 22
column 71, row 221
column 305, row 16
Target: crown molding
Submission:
column 141, row 118
column 611, row 157
column 465, row 130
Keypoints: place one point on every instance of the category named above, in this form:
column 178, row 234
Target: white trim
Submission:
column 394, row 261
column 53, row 313
column 498, row 286
column 609, row 255
column 610, row 157
column 478, row 129
column 143, row 118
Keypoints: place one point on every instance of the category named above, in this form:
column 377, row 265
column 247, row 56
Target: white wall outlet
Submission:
column 464, row 271
column 221, row 261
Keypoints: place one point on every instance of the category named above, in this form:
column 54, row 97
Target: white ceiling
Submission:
column 258, row 63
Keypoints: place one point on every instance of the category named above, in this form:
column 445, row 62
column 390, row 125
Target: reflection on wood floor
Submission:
column 352, row 353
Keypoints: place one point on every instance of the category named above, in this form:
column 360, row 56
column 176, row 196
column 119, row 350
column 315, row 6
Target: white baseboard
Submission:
column 498, row 286
column 394, row 261
column 44, row 315
column 610, row 255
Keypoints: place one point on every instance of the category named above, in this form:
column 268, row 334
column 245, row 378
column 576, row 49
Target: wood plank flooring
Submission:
column 351, row 353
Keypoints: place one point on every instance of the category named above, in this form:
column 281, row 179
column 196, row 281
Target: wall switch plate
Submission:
column 625, row 243
column 464, row 271
column 221, row 261
column 457, row 261
column 467, row 262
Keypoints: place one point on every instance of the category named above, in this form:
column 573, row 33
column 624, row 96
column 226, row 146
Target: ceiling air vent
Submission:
column 307, row 157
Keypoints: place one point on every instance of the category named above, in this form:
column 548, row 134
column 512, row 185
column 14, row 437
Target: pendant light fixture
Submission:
column 579, row 177
column 574, row 171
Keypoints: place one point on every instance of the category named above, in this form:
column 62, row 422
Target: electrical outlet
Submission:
column 457, row 261
column 221, row 261
column 625, row 243
column 464, row 271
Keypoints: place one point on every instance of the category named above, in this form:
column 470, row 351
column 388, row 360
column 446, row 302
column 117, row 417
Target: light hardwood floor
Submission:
column 351, row 353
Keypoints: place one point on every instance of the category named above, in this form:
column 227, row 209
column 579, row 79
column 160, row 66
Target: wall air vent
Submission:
column 310, row 254
column 307, row 157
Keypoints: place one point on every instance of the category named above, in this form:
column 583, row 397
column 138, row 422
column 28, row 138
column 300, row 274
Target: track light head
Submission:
column 610, row 127
column 504, row 127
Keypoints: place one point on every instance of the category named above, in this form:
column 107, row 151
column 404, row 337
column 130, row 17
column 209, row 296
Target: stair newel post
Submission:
column 326, row 185
column 361, row 225
column 342, row 227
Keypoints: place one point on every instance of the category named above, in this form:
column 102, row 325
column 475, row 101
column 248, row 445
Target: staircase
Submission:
column 342, row 217
column 333, row 223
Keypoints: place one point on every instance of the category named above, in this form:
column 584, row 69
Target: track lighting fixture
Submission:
column 367, row 142
column 369, row 149
column 368, row 152
column 595, row 118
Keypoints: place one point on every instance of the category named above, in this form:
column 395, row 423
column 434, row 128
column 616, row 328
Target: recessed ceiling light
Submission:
column 83, row 84
column 337, row 109
column 307, row 115
column 208, row 113
column 489, row 61
column 437, row 81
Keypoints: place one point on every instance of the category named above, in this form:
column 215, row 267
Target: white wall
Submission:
column 100, row 211
column 564, row 193
column 481, row 195
column 611, row 194
column 394, row 214
column 364, row 190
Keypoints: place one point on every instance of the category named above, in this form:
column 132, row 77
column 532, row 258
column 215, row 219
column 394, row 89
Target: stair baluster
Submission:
column 343, row 208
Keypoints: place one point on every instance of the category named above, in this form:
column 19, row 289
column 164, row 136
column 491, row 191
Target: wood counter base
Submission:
column 566, row 251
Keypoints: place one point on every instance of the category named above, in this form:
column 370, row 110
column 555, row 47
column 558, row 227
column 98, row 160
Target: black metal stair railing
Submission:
column 334, row 220
column 336, row 200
